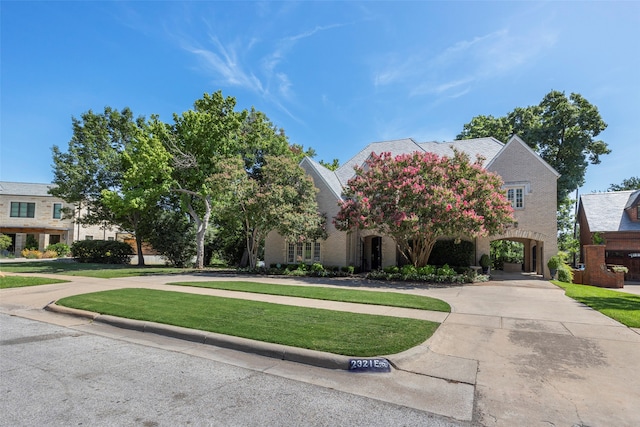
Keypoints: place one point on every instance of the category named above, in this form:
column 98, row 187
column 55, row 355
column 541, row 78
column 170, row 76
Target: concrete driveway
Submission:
column 513, row 352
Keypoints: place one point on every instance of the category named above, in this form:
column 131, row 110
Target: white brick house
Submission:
column 530, row 182
column 28, row 209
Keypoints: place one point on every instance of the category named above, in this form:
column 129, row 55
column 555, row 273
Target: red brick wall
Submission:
column 596, row 272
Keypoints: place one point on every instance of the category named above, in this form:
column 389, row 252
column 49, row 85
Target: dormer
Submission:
column 632, row 207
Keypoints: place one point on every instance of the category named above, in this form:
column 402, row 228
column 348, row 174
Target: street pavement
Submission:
column 514, row 351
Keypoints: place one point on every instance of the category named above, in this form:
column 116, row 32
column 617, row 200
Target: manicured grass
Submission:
column 620, row 306
column 72, row 268
column 392, row 299
column 19, row 282
column 336, row 332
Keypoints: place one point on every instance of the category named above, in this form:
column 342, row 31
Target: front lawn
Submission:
column 72, row 268
column 620, row 306
column 392, row 299
column 335, row 332
column 19, row 281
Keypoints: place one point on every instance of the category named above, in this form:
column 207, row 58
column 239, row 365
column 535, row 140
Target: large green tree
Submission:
column 196, row 141
column 93, row 162
column 144, row 181
column 420, row 197
column 561, row 129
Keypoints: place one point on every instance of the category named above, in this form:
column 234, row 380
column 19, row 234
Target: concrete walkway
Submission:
column 512, row 352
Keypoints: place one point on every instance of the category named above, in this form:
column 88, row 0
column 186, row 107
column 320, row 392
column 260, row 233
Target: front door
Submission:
column 376, row 253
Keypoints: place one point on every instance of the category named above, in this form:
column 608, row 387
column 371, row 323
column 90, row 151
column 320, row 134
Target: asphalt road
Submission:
column 56, row 376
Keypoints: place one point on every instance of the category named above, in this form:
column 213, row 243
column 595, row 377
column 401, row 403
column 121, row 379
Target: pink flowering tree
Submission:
column 417, row 198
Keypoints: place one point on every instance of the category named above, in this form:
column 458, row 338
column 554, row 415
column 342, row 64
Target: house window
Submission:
column 23, row 210
column 516, row 197
column 88, row 237
column 57, row 210
column 303, row 252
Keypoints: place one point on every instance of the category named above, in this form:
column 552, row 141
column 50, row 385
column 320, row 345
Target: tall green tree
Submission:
column 632, row 183
column 561, row 129
column 93, row 162
column 144, row 181
column 197, row 140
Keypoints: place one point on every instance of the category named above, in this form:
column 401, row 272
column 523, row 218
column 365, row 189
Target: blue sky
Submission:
column 334, row 75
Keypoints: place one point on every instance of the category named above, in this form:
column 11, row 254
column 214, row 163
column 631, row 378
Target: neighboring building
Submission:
column 29, row 212
column 530, row 182
column 615, row 218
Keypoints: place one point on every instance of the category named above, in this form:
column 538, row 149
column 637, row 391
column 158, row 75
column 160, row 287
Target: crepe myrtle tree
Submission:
column 281, row 198
column 417, row 198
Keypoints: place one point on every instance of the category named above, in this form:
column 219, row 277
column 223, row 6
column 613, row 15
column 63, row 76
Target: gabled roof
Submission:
column 485, row 147
column 24, row 189
column 328, row 176
column 515, row 139
column 634, row 199
column 395, row 147
column 605, row 211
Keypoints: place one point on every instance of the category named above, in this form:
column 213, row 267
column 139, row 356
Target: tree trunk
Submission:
column 139, row 250
column 201, row 229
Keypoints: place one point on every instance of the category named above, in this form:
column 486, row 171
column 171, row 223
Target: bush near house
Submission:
column 61, row 249
column 102, row 251
column 451, row 253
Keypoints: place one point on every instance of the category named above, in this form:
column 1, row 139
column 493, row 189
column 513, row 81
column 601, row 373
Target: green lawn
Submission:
column 71, row 268
column 19, row 282
column 392, row 299
column 620, row 306
column 336, row 332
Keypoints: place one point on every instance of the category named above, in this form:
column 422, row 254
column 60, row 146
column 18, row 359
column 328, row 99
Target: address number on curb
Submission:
column 369, row 365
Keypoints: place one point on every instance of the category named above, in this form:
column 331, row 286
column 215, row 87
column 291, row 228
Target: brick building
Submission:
column 613, row 218
column 530, row 182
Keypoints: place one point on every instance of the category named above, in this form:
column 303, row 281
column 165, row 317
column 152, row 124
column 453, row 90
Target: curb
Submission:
column 277, row 351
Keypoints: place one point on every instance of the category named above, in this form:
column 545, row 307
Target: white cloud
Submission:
column 456, row 69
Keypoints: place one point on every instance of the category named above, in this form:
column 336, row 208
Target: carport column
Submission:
column 541, row 268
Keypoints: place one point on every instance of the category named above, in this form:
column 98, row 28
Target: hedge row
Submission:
column 102, row 251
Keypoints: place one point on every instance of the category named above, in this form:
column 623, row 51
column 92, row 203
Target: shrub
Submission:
column 317, row 267
column 350, row 269
column 61, row 249
column 485, row 261
column 31, row 253
column 445, row 270
column 554, row 262
column 427, row 269
column 5, row 242
column 102, row 251
column 408, row 269
column 50, row 254
column 391, row 269
column 31, row 242
column 451, row 253
column 565, row 274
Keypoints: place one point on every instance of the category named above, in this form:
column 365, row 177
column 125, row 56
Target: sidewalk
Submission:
column 513, row 352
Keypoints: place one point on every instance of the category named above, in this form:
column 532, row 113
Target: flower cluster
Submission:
column 417, row 198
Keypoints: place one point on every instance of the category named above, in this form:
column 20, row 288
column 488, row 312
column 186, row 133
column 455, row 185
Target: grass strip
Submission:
column 392, row 299
column 20, row 282
column 72, row 268
column 349, row 334
column 620, row 306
